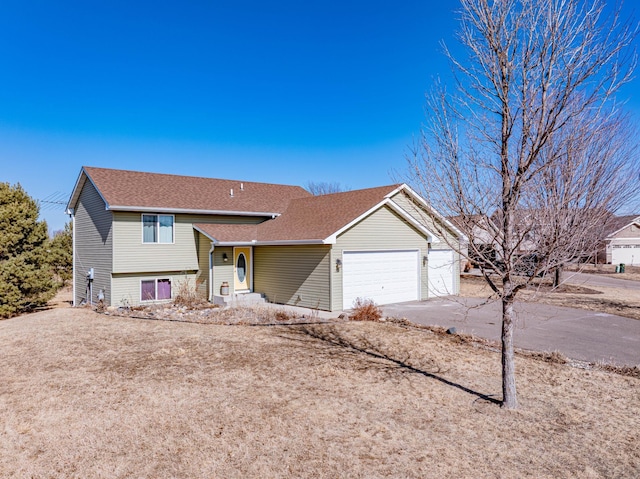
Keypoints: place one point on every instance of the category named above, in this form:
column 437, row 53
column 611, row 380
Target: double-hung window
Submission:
column 157, row 228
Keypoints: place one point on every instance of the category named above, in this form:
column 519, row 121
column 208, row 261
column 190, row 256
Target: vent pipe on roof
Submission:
column 241, row 186
column 231, row 192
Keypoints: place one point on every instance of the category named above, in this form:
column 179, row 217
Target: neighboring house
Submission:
column 138, row 236
column 481, row 238
column 623, row 244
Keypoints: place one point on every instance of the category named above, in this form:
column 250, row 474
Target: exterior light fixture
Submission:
column 338, row 265
column 225, row 258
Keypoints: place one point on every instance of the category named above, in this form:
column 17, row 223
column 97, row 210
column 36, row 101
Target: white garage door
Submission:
column 625, row 253
column 441, row 279
column 383, row 276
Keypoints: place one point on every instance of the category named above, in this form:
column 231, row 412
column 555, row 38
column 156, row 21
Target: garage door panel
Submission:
column 441, row 277
column 383, row 276
column 627, row 254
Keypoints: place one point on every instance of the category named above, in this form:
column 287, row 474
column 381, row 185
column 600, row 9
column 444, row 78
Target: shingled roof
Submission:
column 292, row 214
column 618, row 223
column 139, row 191
column 318, row 217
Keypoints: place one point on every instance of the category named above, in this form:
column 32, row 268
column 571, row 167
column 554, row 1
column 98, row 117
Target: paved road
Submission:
column 578, row 334
column 594, row 280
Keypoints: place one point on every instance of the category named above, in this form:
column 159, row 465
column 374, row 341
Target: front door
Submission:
column 242, row 269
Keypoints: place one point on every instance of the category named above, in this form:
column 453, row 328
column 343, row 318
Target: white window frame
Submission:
column 155, row 285
column 157, row 227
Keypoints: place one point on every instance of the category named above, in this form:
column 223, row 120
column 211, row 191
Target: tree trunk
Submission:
column 557, row 276
column 509, row 395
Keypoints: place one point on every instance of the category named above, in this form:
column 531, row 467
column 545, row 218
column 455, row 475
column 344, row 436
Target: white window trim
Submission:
column 173, row 235
column 155, row 283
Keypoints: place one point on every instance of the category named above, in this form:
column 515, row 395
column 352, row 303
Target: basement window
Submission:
column 157, row 229
column 155, row 289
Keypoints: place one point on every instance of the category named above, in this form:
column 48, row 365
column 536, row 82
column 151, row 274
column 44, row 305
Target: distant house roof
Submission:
column 124, row 190
column 618, row 223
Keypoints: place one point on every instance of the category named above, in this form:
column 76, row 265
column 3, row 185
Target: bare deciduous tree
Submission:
column 325, row 188
column 531, row 137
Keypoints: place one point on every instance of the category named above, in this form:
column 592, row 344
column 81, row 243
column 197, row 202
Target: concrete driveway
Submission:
column 576, row 333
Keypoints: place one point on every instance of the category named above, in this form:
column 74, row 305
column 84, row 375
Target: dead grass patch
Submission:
column 207, row 313
column 365, row 310
column 90, row 395
column 622, row 302
column 631, row 272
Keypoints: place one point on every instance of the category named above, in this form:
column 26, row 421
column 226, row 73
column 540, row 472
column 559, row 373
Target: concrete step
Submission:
column 240, row 299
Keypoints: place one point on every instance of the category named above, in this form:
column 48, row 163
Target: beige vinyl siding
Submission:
column 203, row 245
column 429, row 222
column 93, row 245
column 446, row 238
column 382, row 230
column 630, row 231
column 126, row 287
column 294, row 275
column 131, row 255
column 222, row 270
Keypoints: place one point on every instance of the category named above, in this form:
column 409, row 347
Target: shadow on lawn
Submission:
column 361, row 348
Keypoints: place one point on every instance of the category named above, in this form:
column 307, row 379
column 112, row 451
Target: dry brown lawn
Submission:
column 631, row 272
column 622, row 302
column 85, row 395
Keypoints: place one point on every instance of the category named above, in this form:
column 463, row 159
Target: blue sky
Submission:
column 278, row 91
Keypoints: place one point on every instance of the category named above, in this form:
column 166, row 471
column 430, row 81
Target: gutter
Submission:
column 152, row 209
column 73, row 256
column 213, row 246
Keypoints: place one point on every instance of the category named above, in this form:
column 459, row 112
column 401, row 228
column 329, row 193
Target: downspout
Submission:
column 73, row 254
column 211, row 272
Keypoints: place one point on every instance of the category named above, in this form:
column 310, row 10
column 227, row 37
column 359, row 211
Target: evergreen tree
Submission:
column 26, row 278
column 61, row 253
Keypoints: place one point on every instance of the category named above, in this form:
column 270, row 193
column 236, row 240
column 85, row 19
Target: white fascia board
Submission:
column 270, row 243
column 148, row 209
column 291, row 242
column 419, row 199
column 76, row 188
column 397, row 190
column 79, row 185
column 634, row 222
column 206, row 234
column 75, row 194
column 236, row 243
column 259, row 243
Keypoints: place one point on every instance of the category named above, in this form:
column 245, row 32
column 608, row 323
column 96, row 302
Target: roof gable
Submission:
column 621, row 223
column 315, row 220
column 319, row 217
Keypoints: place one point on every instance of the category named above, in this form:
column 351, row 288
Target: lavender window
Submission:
column 164, row 289
column 148, row 290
